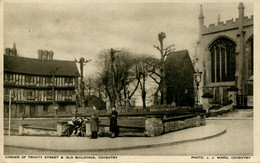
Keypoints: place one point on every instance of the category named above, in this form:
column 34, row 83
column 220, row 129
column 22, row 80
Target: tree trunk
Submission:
column 164, row 93
column 156, row 96
column 143, row 93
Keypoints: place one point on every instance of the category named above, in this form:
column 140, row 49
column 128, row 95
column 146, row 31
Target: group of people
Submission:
column 78, row 125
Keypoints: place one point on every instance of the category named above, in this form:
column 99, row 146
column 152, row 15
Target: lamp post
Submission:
column 53, row 72
column 197, row 76
column 10, row 110
column 10, row 106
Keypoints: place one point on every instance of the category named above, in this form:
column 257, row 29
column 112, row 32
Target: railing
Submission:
column 241, row 101
column 223, row 102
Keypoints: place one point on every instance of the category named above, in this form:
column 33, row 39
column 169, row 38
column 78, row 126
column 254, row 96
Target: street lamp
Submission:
column 11, row 97
column 10, row 106
column 197, row 76
column 55, row 107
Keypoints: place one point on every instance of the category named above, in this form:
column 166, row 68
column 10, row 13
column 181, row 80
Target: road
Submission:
column 238, row 140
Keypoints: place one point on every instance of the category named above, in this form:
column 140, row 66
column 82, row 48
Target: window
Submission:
column 7, row 91
column 48, row 80
column 250, row 49
column 29, row 93
column 21, row 108
column 49, row 93
column 45, row 108
column 9, row 77
column 62, row 108
column 29, row 79
column 6, row 108
column 68, row 80
column 223, row 60
column 41, row 81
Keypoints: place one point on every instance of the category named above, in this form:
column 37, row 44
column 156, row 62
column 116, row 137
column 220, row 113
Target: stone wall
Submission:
column 153, row 126
column 229, row 25
column 156, row 126
column 29, row 130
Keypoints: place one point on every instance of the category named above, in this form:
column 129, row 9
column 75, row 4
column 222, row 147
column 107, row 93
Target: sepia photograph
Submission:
column 98, row 81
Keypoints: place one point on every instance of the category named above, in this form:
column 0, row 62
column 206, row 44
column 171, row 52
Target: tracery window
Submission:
column 223, row 60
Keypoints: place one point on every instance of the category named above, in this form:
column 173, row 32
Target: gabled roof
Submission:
column 91, row 97
column 33, row 66
column 181, row 57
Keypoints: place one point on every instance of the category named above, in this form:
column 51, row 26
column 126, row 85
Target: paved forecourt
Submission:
column 106, row 143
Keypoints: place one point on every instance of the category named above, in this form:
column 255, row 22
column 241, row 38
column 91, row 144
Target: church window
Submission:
column 223, row 60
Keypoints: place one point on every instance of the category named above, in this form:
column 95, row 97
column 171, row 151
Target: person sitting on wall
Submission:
column 113, row 128
column 81, row 130
column 94, row 122
column 70, row 128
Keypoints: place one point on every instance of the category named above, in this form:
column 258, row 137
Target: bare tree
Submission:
column 164, row 53
column 93, row 86
column 141, row 71
column 89, row 85
column 117, row 75
column 154, row 71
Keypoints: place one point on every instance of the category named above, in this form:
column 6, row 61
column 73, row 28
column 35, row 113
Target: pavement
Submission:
column 110, row 144
column 237, row 114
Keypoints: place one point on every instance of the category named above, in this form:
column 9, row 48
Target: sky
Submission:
column 76, row 29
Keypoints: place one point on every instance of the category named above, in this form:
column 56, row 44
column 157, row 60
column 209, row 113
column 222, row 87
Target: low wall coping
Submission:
column 12, row 129
column 39, row 128
column 182, row 117
column 132, row 127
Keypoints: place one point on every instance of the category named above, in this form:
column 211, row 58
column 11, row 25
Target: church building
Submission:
column 225, row 56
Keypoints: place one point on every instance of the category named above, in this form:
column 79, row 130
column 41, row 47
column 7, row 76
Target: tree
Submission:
column 93, row 86
column 164, row 53
column 116, row 74
column 154, row 71
column 141, row 72
column 89, row 85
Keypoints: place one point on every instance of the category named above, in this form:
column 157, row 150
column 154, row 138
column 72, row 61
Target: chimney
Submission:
column 45, row 54
column 14, row 51
column 51, row 55
column 40, row 54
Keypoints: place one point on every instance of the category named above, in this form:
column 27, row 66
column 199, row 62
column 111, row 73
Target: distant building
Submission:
column 225, row 56
column 31, row 81
column 92, row 100
column 179, row 79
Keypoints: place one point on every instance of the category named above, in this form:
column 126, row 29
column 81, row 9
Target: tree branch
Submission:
column 168, row 50
column 154, row 79
column 157, row 47
column 135, row 89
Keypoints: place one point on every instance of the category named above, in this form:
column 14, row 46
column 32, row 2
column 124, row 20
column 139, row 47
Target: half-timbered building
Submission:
column 35, row 84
